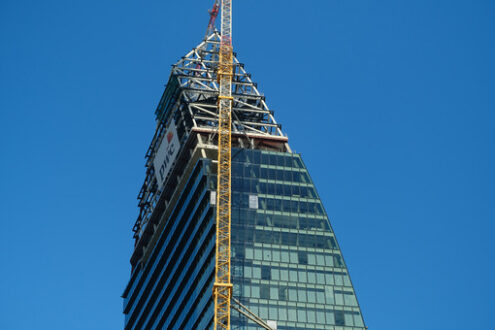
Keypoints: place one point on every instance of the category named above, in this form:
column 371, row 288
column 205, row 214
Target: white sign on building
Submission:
column 253, row 201
column 166, row 154
column 213, row 198
column 272, row 324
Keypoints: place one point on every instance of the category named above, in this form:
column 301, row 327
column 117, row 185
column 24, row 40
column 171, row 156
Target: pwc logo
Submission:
column 169, row 156
column 166, row 154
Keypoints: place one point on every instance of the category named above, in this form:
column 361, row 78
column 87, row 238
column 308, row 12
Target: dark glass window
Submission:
column 303, row 257
column 273, row 159
column 271, row 188
column 256, row 157
column 296, row 176
column 297, row 162
column 289, row 239
column 263, row 188
column 337, row 260
column 282, row 293
column 265, row 158
column 260, row 220
column 286, row 205
column 339, row 318
column 264, row 173
column 294, row 206
column 266, row 273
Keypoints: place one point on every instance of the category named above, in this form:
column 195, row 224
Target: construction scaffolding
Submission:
column 190, row 101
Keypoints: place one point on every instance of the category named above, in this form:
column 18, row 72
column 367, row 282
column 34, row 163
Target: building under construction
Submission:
column 285, row 268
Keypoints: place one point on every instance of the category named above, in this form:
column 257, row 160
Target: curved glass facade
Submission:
column 286, row 263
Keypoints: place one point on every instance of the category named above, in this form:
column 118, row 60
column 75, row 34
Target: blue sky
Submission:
column 391, row 104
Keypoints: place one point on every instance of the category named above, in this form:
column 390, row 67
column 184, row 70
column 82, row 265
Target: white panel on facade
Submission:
column 272, row 324
column 253, row 201
column 166, row 154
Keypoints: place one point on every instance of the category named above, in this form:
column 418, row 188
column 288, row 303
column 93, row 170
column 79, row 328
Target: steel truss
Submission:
column 190, row 100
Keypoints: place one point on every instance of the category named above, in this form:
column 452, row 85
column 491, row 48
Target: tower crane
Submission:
column 213, row 16
column 222, row 287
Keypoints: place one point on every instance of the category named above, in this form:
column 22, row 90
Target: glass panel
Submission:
column 311, row 296
column 329, row 297
column 312, row 277
column 339, row 299
column 349, row 319
column 303, row 257
column 320, row 317
column 302, row 276
column 320, row 297
column 274, row 293
column 292, row 314
column 256, row 272
column 358, row 320
column 284, row 274
column 301, row 295
column 339, row 318
column 330, row 317
column 264, row 291
column 255, row 291
column 265, row 273
column 301, row 315
column 311, row 316
column 275, row 274
column 292, row 294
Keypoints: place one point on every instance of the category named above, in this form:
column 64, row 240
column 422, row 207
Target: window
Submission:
column 303, row 257
column 330, row 317
column 292, row 314
column 264, row 291
column 292, row 294
column 275, row 274
column 311, row 296
column 282, row 293
column 255, row 291
column 293, row 275
column 301, row 295
column 329, row 295
column 284, row 274
column 350, row 299
column 358, row 320
column 274, row 293
column 265, row 273
column 337, row 260
column 301, row 315
column 320, row 297
column 311, row 316
column 349, row 320
column 302, row 276
column 320, row 317
column 256, row 272
column 339, row 318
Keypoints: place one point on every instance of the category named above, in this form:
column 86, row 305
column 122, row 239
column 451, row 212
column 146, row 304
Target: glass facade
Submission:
column 286, row 263
column 173, row 288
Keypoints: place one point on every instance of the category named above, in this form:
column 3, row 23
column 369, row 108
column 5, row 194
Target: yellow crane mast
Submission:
column 222, row 288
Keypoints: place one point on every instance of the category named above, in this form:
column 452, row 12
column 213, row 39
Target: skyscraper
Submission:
column 287, row 267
